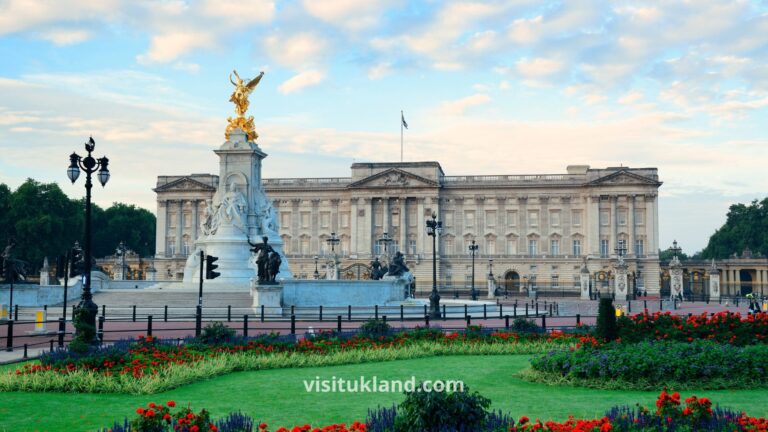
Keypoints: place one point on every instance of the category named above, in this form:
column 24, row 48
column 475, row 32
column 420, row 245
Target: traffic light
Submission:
column 210, row 267
column 76, row 262
column 4, row 275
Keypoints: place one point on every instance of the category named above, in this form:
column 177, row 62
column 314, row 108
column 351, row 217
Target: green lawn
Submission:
column 278, row 396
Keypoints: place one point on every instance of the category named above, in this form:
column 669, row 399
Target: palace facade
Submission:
column 532, row 230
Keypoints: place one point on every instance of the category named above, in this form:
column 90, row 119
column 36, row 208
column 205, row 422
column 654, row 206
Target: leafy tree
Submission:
column 745, row 227
column 666, row 255
column 127, row 223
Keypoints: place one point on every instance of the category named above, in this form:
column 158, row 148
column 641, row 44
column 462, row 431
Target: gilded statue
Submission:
column 243, row 89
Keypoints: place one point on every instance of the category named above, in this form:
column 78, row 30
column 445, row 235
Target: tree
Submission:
column 666, row 255
column 127, row 223
column 746, row 227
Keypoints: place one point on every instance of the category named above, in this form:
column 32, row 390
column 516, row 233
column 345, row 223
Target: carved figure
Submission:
column 262, row 251
column 239, row 97
column 398, row 267
column 376, row 271
column 274, row 265
column 206, row 226
column 16, row 268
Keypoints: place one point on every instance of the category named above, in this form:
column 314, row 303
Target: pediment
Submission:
column 624, row 177
column 185, row 184
column 394, row 178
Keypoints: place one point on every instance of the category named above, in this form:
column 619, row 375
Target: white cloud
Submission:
column 63, row 37
column 301, row 81
column 525, row 31
column 21, row 15
column 459, row 107
column 538, row 67
column 349, row 14
column 240, row 12
column 379, row 70
column 168, row 47
column 296, row 51
column 631, row 97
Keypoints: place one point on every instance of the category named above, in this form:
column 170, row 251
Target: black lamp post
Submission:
column 317, row 273
column 386, row 240
column 434, row 228
column 333, row 240
column 675, row 249
column 472, row 249
column 85, row 318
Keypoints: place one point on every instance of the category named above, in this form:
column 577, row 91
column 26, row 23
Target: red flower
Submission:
column 171, row 404
column 140, row 411
column 150, row 413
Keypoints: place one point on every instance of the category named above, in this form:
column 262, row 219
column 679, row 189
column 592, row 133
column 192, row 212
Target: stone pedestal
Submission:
column 269, row 296
column 714, row 282
column 332, row 269
column 621, row 286
column 584, row 281
column 151, row 274
column 675, row 279
column 491, row 288
column 45, row 277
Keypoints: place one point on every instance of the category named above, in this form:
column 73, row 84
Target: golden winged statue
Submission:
column 243, row 89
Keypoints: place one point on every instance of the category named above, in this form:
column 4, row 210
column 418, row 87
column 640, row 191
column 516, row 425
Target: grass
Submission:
column 278, row 397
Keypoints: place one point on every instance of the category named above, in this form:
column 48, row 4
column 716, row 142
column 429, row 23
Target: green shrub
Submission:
column 216, row 333
column 606, row 320
column 524, row 325
column 374, row 328
column 427, row 411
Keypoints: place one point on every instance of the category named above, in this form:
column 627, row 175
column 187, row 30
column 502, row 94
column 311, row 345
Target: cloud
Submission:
column 631, row 97
column 167, row 47
column 379, row 70
column 296, row 51
column 459, row 107
column 239, row 13
column 21, row 15
column 349, row 14
column 538, row 67
column 62, row 37
column 301, row 81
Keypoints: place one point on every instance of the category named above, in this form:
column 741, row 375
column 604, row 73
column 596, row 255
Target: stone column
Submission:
column 676, row 278
column 161, row 228
column 368, row 226
column 385, row 224
column 195, row 220
column 631, row 222
column 737, row 281
column 650, row 225
column 614, row 241
column 354, row 235
column 714, row 282
column 314, row 220
column 584, row 281
column 621, row 288
column 421, row 227
column 403, row 225
column 179, row 227
column 593, row 219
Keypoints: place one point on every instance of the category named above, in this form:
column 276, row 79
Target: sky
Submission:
column 487, row 87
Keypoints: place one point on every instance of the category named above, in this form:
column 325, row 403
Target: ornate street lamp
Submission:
column 675, row 249
column 386, row 240
column 434, row 228
column 317, row 273
column 472, row 249
column 333, row 240
column 85, row 316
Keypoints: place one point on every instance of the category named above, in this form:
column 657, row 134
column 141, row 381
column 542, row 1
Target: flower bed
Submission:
column 649, row 365
column 149, row 365
column 669, row 414
column 721, row 327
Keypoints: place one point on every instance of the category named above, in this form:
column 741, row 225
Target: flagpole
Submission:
column 401, row 136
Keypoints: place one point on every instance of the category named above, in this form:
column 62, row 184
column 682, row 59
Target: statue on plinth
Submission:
column 398, row 267
column 377, row 270
column 267, row 261
column 239, row 97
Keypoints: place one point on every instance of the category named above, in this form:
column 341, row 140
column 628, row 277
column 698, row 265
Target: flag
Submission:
column 403, row 119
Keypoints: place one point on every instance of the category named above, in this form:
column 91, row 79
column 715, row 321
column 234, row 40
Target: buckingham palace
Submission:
column 532, row 230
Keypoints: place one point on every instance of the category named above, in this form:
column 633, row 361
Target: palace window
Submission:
column 469, row 218
column 511, row 218
column 639, row 217
column 305, row 245
column 490, row 246
column 171, row 249
column 639, row 247
column 555, row 281
column 554, row 218
column 412, row 246
column 604, row 217
column 512, row 246
column 285, row 220
column 554, row 247
column 577, row 247
column 490, row 218
column 325, row 219
column 533, row 218
column 344, row 220
column 604, row 248
column 533, row 247
column 622, row 217
column 305, row 219
column 576, row 218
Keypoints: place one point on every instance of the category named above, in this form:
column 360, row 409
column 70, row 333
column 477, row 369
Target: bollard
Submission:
column 61, row 332
column 9, row 341
column 262, row 313
column 320, row 313
column 402, row 313
column 198, row 320
column 74, row 307
column 245, row 325
column 149, row 325
column 501, row 306
column 485, row 311
column 550, row 309
column 165, row 314
column 338, row 323
column 537, row 308
column 349, row 313
column 445, row 316
column 384, row 319
column 134, row 314
column 16, row 312
column 465, row 312
column 101, row 329
column 514, row 310
column 544, row 322
column 674, row 304
column 469, row 321
column 425, row 310
column 506, row 322
column 376, row 312
column 578, row 319
column 661, row 304
column 25, row 350
column 426, row 320
column 645, row 304
column 103, row 310
column 526, row 310
column 293, row 324
column 293, row 309
column 229, row 313
column 629, row 305
column 51, row 345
